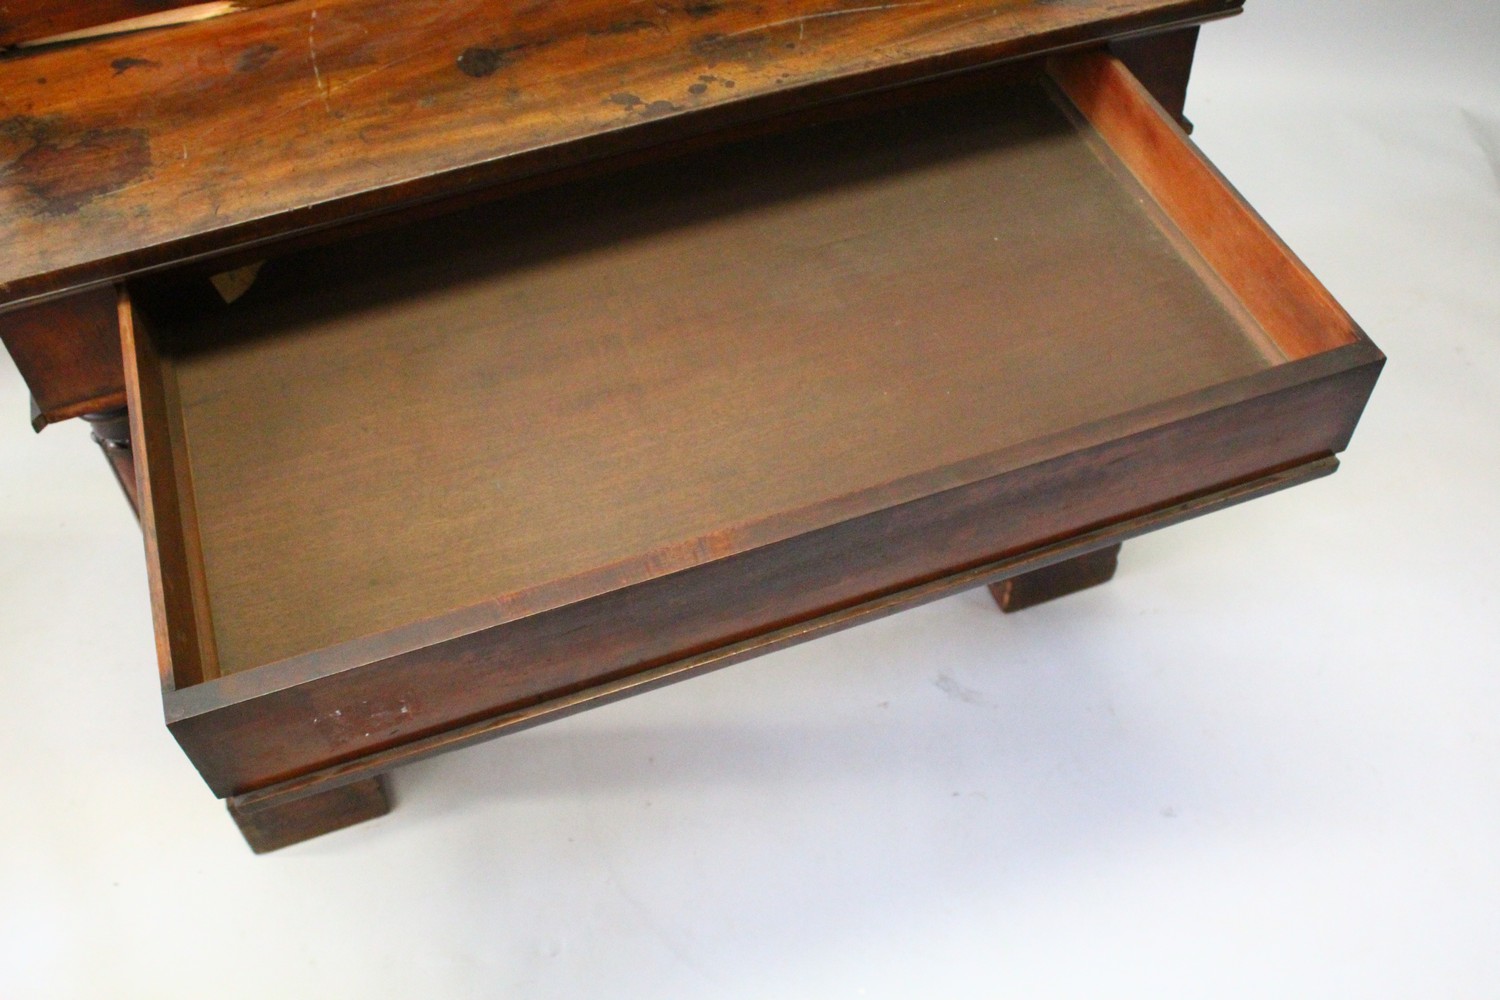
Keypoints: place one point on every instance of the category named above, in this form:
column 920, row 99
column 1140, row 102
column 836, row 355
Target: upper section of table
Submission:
column 129, row 152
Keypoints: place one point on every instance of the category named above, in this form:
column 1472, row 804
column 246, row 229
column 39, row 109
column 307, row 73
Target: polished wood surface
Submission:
column 141, row 150
column 851, row 313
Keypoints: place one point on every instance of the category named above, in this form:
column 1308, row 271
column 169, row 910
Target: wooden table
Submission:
column 490, row 363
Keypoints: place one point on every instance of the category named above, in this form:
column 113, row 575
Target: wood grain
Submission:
column 1286, row 300
column 668, row 369
column 308, row 113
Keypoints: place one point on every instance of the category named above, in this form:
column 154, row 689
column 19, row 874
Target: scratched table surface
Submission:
column 139, row 150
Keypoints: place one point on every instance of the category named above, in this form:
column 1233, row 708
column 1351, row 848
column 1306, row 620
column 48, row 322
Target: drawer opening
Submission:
column 486, row 417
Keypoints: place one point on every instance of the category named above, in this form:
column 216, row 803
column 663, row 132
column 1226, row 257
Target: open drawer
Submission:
column 416, row 490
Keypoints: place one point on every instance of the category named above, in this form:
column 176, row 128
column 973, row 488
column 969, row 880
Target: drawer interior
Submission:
column 530, row 403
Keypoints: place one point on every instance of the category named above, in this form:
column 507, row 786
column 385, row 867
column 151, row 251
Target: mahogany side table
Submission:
column 471, row 364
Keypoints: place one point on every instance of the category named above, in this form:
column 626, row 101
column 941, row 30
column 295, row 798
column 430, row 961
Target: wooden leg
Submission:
column 1163, row 63
column 111, row 430
column 271, row 824
column 1057, row 580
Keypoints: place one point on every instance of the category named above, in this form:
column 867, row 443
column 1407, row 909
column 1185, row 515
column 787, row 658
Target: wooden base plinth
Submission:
column 1057, row 580
column 270, row 824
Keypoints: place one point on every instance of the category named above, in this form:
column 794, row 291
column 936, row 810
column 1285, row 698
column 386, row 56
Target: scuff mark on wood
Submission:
column 801, row 21
column 255, row 57
column 312, row 51
column 125, row 63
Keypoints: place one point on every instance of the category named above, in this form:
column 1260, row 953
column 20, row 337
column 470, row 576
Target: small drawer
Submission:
column 416, row 490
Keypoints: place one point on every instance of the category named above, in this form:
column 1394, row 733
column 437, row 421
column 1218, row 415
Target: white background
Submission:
column 1265, row 761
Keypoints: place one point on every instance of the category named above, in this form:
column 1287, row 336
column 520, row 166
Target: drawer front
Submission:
column 249, row 730
column 530, row 647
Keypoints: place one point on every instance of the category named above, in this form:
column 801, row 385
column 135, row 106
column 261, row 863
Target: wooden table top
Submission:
column 136, row 151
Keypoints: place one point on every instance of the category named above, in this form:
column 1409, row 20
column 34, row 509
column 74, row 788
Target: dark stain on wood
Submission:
column 623, row 27
column 255, row 57
column 64, row 165
column 657, row 108
column 715, row 46
column 645, row 109
column 702, row 8
column 125, row 63
column 479, row 61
